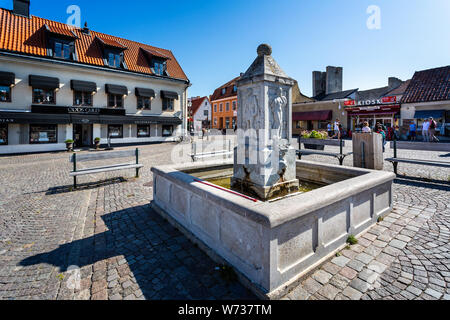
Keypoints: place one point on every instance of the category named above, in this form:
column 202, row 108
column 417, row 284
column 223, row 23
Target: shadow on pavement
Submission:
column 423, row 183
column 165, row 264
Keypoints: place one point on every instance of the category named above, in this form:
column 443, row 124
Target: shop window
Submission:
column 227, row 123
column 5, row 94
column 298, row 124
column 40, row 134
column 115, row 131
column 3, row 134
column 44, row 96
column 323, row 125
column 144, row 103
column 143, row 131
column 167, row 104
column 82, row 98
column 234, row 122
column 167, row 130
column 115, row 100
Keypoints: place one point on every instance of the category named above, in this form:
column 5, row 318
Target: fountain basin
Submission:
column 272, row 244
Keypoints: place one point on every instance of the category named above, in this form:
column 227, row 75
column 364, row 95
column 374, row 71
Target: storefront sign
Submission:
column 6, row 120
column 81, row 110
column 371, row 102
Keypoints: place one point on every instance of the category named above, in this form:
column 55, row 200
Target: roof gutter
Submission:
column 92, row 67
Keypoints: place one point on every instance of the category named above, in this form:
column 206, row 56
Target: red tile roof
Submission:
column 428, row 86
column 27, row 36
column 400, row 90
column 57, row 30
column 111, row 43
column 217, row 95
column 196, row 103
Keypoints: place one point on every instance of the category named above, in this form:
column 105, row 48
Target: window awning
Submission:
column 426, row 114
column 312, row 115
column 33, row 118
column 169, row 95
column 7, row 78
column 116, row 89
column 40, row 82
column 85, row 86
column 147, row 93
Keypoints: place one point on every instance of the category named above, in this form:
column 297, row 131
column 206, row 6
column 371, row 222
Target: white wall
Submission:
column 199, row 116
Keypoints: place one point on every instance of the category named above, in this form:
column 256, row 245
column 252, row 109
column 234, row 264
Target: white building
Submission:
column 58, row 83
column 200, row 113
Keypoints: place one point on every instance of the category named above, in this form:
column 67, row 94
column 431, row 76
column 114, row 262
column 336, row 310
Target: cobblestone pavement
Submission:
column 124, row 250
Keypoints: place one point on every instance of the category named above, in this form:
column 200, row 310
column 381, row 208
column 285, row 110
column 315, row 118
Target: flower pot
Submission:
column 314, row 147
column 69, row 146
column 97, row 144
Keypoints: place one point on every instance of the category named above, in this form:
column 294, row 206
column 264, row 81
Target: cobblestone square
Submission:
column 103, row 241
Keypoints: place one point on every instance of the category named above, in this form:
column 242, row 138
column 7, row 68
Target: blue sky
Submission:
column 216, row 40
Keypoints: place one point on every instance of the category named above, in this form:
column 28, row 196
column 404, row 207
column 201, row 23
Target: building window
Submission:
column 5, row 94
column 235, row 88
column 224, row 90
column 220, row 107
column 234, row 105
column 62, row 50
column 233, row 123
column 159, row 67
column 143, row 131
column 215, row 108
column 40, row 134
column 298, row 124
column 215, row 121
column 3, row 134
column 144, row 103
column 114, row 59
column 115, row 131
column 206, row 113
column 44, row 96
column 115, row 100
column 227, row 106
column 167, row 130
column 227, row 123
column 82, row 98
column 167, row 104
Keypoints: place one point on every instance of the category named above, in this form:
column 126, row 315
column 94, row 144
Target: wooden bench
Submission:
column 422, row 146
column 323, row 142
column 102, row 156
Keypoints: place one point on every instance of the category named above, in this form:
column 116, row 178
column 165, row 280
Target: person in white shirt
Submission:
column 366, row 128
column 425, row 131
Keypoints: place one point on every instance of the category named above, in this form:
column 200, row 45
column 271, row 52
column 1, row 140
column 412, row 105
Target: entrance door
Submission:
column 82, row 135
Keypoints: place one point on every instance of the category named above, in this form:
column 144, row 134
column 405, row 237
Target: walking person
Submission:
column 336, row 129
column 426, row 131
column 412, row 131
column 432, row 130
column 329, row 129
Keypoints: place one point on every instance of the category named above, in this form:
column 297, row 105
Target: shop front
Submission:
column 311, row 120
column 385, row 111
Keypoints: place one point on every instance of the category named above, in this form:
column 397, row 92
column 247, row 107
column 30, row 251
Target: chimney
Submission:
column 334, row 79
column 319, row 83
column 85, row 30
column 394, row 83
column 21, row 7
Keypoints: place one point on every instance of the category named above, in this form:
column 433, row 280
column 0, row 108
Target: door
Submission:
column 82, row 135
column 77, row 135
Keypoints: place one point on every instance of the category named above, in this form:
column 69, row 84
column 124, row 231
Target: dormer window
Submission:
column 60, row 43
column 157, row 61
column 159, row 67
column 224, row 90
column 113, row 53
column 114, row 60
column 235, row 88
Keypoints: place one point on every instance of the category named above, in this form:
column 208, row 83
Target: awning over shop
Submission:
column 40, row 82
column 33, row 118
column 7, row 78
column 116, row 89
column 139, row 120
column 426, row 114
column 147, row 93
column 169, row 95
column 84, row 86
column 312, row 115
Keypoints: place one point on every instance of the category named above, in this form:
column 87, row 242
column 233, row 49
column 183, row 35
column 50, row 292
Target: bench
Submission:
column 422, row 146
column 196, row 156
column 323, row 142
column 101, row 156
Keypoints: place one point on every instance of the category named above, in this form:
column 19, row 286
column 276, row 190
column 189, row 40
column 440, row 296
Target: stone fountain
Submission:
column 263, row 226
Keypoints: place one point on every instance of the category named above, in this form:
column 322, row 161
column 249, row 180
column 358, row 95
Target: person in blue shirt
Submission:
column 412, row 131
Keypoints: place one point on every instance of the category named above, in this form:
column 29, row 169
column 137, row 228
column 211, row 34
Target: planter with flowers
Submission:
column 312, row 139
column 69, row 144
column 97, row 143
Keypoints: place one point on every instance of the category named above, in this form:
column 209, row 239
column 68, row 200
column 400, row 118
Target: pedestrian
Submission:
column 432, row 130
column 412, row 131
column 426, row 131
column 366, row 128
column 329, row 129
column 383, row 134
column 336, row 128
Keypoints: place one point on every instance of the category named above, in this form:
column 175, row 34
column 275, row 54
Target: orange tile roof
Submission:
column 217, row 95
column 111, row 43
column 60, row 31
column 27, row 36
